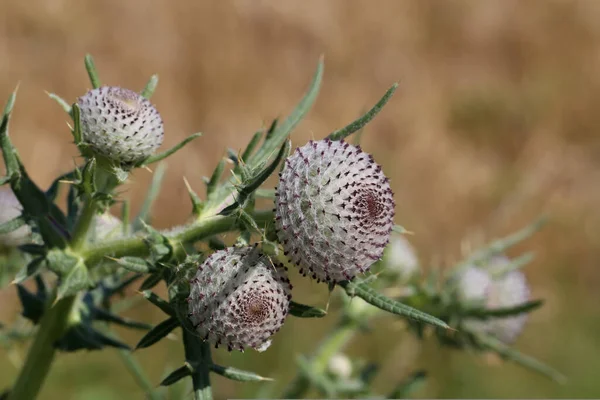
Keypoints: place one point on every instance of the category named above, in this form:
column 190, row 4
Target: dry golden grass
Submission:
column 494, row 123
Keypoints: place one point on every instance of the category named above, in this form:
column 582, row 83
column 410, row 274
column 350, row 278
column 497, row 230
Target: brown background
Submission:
column 495, row 122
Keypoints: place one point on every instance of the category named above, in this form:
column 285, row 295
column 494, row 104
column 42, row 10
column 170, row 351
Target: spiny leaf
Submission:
column 237, row 374
column 511, row 354
column 74, row 281
column 380, row 301
column 61, row 102
column 158, row 332
column 11, row 160
column 133, row 264
column 167, row 153
column 12, row 225
column 150, row 87
column 251, row 146
column 52, row 191
column 160, row 303
column 365, row 119
column 153, row 191
column 304, row 311
column 175, row 376
column 107, row 316
column 197, row 204
column 215, row 178
column 29, row 270
column 499, row 246
column 281, row 131
column 482, row 313
column 151, row 281
column 92, row 72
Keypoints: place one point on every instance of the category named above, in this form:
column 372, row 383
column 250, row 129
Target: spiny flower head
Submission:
column 10, row 208
column 120, row 124
column 496, row 289
column 334, row 210
column 239, row 298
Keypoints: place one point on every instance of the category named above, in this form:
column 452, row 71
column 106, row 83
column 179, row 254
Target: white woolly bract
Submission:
column 507, row 290
column 120, row 124
column 334, row 210
column 10, row 208
column 238, row 298
column 108, row 227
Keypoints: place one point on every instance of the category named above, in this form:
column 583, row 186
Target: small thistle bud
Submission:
column 239, row 298
column 120, row 124
column 10, row 208
column 340, row 366
column 505, row 290
column 334, row 210
column 400, row 258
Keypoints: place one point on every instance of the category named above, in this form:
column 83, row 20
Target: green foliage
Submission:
column 75, row 312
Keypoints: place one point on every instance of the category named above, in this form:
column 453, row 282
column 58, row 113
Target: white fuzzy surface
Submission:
column 334, row 210
column 238, row 298
column 10, row 208
column 120, row 124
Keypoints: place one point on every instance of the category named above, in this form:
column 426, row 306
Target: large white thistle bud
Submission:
column 239, row 298
column 10, row 208
column 400, row 258
column 496, row 290
column 108, row 227
column 120, row 124
column 334, row 210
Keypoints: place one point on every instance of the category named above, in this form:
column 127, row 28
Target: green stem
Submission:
column 83, row 224
column 41, row 354
column 336, row 340
column 197, row 353
column 201, row 229
column 138, row 374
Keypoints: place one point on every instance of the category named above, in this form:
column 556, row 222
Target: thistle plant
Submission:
column 332, row 218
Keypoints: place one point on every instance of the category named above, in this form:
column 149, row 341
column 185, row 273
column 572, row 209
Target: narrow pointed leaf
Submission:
column 160, row 303
column 8, row 151
column 107, row 316
column 133, row 264
column 77, row 139
column 372, row 297
column 172, row 150
column 61, row 102
column 150, row 87
column 153, row 191
column 52, row 191
column 526, row 361
column 12, row 225
column 177, row 375
column 526, row 307
column 92, row 72
column 365, row 119
column 29, row 270
column 88, row 177
column 151, row 281
column 251, row 146
column 158, row 332
column 304, row 311
column 197, row 204
column 282, row 131
column 33, row 305
column 215, row 178
column 237, row 374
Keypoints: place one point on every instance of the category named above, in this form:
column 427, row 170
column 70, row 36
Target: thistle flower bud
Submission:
column 10, row 208
column 505, row 290
column 239, row 298
column 400, row 258
column 334, row 210
column 340, row 366
column 120, row 124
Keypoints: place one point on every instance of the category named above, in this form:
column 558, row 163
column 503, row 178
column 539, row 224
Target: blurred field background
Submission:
column 495, row 122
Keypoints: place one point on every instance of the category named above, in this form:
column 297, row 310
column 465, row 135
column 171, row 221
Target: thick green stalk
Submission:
column 198, row 230
column 41, row 353
column 198, row 353
column 336, row 340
